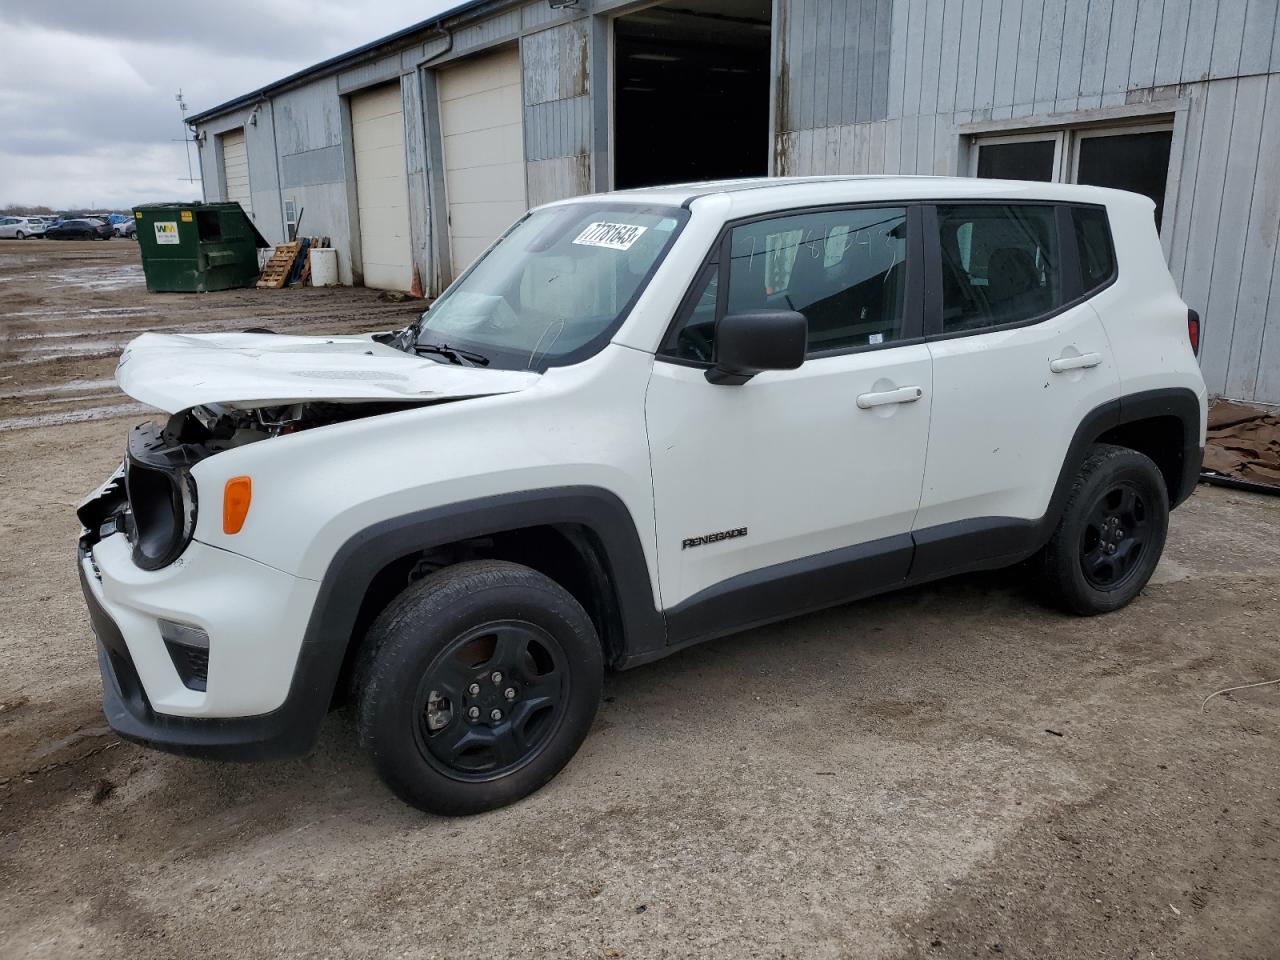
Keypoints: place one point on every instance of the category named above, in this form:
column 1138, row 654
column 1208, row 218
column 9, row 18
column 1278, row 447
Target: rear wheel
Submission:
column 1111, row 534
column 476, row 686
column 21, row 235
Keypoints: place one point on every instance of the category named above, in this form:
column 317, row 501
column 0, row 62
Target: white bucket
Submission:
column 324, row 267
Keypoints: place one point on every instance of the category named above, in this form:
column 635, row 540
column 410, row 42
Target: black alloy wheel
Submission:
column 476, row 686
column 1115, row 536
column 490, row 701
column 1111, row 534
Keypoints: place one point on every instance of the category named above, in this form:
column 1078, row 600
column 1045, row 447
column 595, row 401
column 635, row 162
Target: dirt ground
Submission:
column 946, row 772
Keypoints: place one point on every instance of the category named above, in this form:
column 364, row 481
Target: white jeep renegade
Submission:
column 639, row 421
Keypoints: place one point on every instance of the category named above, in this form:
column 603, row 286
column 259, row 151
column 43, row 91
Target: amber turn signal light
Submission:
column 235, row 503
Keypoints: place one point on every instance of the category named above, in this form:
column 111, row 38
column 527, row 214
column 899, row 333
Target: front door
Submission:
column 798, row 488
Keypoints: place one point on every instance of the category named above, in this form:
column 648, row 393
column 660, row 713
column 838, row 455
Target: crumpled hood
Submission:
column 177, row 371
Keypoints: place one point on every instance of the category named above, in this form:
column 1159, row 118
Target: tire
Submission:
column 1110, row 536
column 444, row 735
column 21, row 235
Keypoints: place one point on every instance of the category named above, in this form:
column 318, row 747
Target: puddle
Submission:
column 72, row 416
column 61, row 313
column 92, row 278
column 73, row 386
column 74, row 348
column 63, row 335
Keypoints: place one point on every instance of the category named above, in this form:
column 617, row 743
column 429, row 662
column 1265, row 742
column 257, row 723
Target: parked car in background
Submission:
column 82, row 229
column 780, row 395
column 21, row 228
column 125, row 227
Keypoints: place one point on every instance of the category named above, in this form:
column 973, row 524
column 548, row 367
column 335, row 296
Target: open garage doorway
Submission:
column 691, row 92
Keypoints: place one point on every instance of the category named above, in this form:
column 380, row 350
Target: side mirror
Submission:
column 753, row 341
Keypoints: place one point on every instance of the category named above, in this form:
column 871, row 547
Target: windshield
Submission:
column 556, row 287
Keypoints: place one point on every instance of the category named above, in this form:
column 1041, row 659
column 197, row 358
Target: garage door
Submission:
column 235, row 167
column 480, row 120
column 382, row 188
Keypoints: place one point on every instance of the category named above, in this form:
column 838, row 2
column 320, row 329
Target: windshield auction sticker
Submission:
column 166, row 231
column 615, row 236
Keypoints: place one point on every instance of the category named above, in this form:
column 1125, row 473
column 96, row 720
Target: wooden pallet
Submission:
column 276, row 272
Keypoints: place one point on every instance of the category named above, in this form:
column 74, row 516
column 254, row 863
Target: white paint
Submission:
column 253, row 369
column 979, row 429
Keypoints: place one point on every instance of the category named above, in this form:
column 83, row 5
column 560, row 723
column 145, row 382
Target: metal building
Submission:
column 412, row 153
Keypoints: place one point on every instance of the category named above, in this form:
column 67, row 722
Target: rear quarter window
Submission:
column 1093, row 240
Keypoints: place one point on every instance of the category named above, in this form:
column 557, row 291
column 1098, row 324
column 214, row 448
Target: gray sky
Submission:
column 87, row 115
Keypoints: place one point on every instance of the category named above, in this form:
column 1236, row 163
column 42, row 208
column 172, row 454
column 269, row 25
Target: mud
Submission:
column 67, row 308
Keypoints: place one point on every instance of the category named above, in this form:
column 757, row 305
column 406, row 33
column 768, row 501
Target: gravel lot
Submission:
column 946, row 772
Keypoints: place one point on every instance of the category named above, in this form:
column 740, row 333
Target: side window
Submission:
column 1093, row 239
column 845, row 270
column 694, row 335
column 1000, row 264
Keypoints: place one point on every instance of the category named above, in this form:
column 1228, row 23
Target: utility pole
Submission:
column 186, row 136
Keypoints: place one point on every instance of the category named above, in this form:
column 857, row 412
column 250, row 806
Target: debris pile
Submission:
column 1242, row 444
column 290, row 264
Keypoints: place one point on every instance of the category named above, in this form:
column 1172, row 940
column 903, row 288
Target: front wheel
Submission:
column 21, row 235
column 1111, row 534
column 476, row 686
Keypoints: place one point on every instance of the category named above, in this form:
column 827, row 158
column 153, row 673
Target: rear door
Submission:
column 1020, row 358
column 799, row 487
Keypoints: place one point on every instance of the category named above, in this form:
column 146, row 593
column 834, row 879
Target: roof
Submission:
column 334, row 64
column 764, row 191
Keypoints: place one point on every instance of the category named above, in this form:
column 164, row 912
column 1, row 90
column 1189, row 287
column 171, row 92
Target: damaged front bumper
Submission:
column 247, row 699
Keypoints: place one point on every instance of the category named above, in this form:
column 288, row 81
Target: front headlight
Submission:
column 162, row 500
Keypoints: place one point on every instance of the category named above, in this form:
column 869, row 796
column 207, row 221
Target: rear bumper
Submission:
column 290, row 730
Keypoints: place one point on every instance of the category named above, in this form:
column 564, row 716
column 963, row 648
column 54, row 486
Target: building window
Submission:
column 1133, row 157
column 290, row 219
column 1019, row 157
column 1127, row 159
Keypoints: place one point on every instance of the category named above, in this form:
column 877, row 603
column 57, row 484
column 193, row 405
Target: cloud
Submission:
column 87, row 88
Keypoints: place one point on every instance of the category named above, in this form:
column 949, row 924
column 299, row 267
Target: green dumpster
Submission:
column 195, row 247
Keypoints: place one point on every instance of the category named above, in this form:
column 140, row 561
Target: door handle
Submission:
column 902, row 395
column 1085, row 360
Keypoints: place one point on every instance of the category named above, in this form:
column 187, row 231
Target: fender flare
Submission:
column 986, row 543
column 359, row 560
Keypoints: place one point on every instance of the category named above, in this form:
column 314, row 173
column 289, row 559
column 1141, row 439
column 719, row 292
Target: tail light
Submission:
column 1193, row 331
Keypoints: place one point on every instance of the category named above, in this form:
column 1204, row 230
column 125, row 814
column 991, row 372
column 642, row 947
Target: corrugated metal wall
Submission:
column 870, row 86
column 557, row 112
column 955, row 67
column 833, row 85
column 308, row 131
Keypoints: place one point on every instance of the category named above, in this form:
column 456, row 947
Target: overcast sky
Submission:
column 87, row 115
